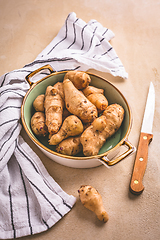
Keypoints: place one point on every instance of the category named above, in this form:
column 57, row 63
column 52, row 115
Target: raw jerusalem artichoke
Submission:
column 59, row 87
column 38, row 103
column 102, row 128
column 53, row 105
column 38, row 125
column 99, row 100
column 93, row 137
column 77, row 103
column 96, row 96
column 114, row 114
column 91, row 89
column 92, row 200
column 80, row 79
column 72, row 126
column 70, row 146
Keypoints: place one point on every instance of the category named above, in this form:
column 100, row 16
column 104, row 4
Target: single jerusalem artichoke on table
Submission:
column 92, row 200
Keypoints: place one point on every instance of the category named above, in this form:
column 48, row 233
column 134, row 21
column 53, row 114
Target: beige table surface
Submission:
column 26, row 28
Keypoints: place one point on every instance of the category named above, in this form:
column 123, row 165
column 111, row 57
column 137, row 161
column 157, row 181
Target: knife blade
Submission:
column 136, row 185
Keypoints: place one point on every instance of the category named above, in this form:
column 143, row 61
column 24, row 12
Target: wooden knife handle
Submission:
column 140, row 164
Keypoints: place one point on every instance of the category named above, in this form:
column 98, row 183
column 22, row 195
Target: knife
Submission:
column 136, row 186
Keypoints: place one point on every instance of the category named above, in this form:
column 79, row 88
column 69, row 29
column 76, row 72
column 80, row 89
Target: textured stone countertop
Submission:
column 26, row 28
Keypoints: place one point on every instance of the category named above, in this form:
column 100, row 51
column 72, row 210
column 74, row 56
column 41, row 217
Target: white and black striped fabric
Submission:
column 30, row 200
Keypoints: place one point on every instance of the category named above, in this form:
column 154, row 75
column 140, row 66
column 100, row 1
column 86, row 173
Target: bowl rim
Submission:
column 67, row 156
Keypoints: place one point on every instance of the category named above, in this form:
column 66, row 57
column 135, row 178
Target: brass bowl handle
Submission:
column 37, row 71
column 131, row 149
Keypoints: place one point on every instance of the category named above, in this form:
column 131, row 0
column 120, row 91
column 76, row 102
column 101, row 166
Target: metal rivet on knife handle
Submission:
column 136, row 181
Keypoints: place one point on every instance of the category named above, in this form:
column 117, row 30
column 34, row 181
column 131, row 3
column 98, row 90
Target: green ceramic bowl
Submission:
column 112, row 94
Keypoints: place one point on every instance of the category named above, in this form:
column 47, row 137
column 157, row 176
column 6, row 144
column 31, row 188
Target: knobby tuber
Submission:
column 80, row 79
column 99, row 100
column 103, row 127
column 72, row 126
column 38, row 125
column 77, row 103
column 93, row 137
column 53, row 105
column 92, row 200
column 114, row 114
column 91, row 89
column 59, row 87
column 96, row 96
column 38, row 103
column 70, row 146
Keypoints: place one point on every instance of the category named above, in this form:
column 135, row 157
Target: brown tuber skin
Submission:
column 70, row 146
column 90, row 90
column 80, row 79
column 99, row 100
column 96, row 96
column 38, row 125
column 92, row 139
column 53, row 105
column 59, row 87
column 92, row 200
column 77, row 103
column 114, row 114
column 72, row 126
column 38, row 103
column 101, row 128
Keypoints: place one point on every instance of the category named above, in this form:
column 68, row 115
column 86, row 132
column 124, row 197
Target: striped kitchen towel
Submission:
column 81, row 46
column 30, row 200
